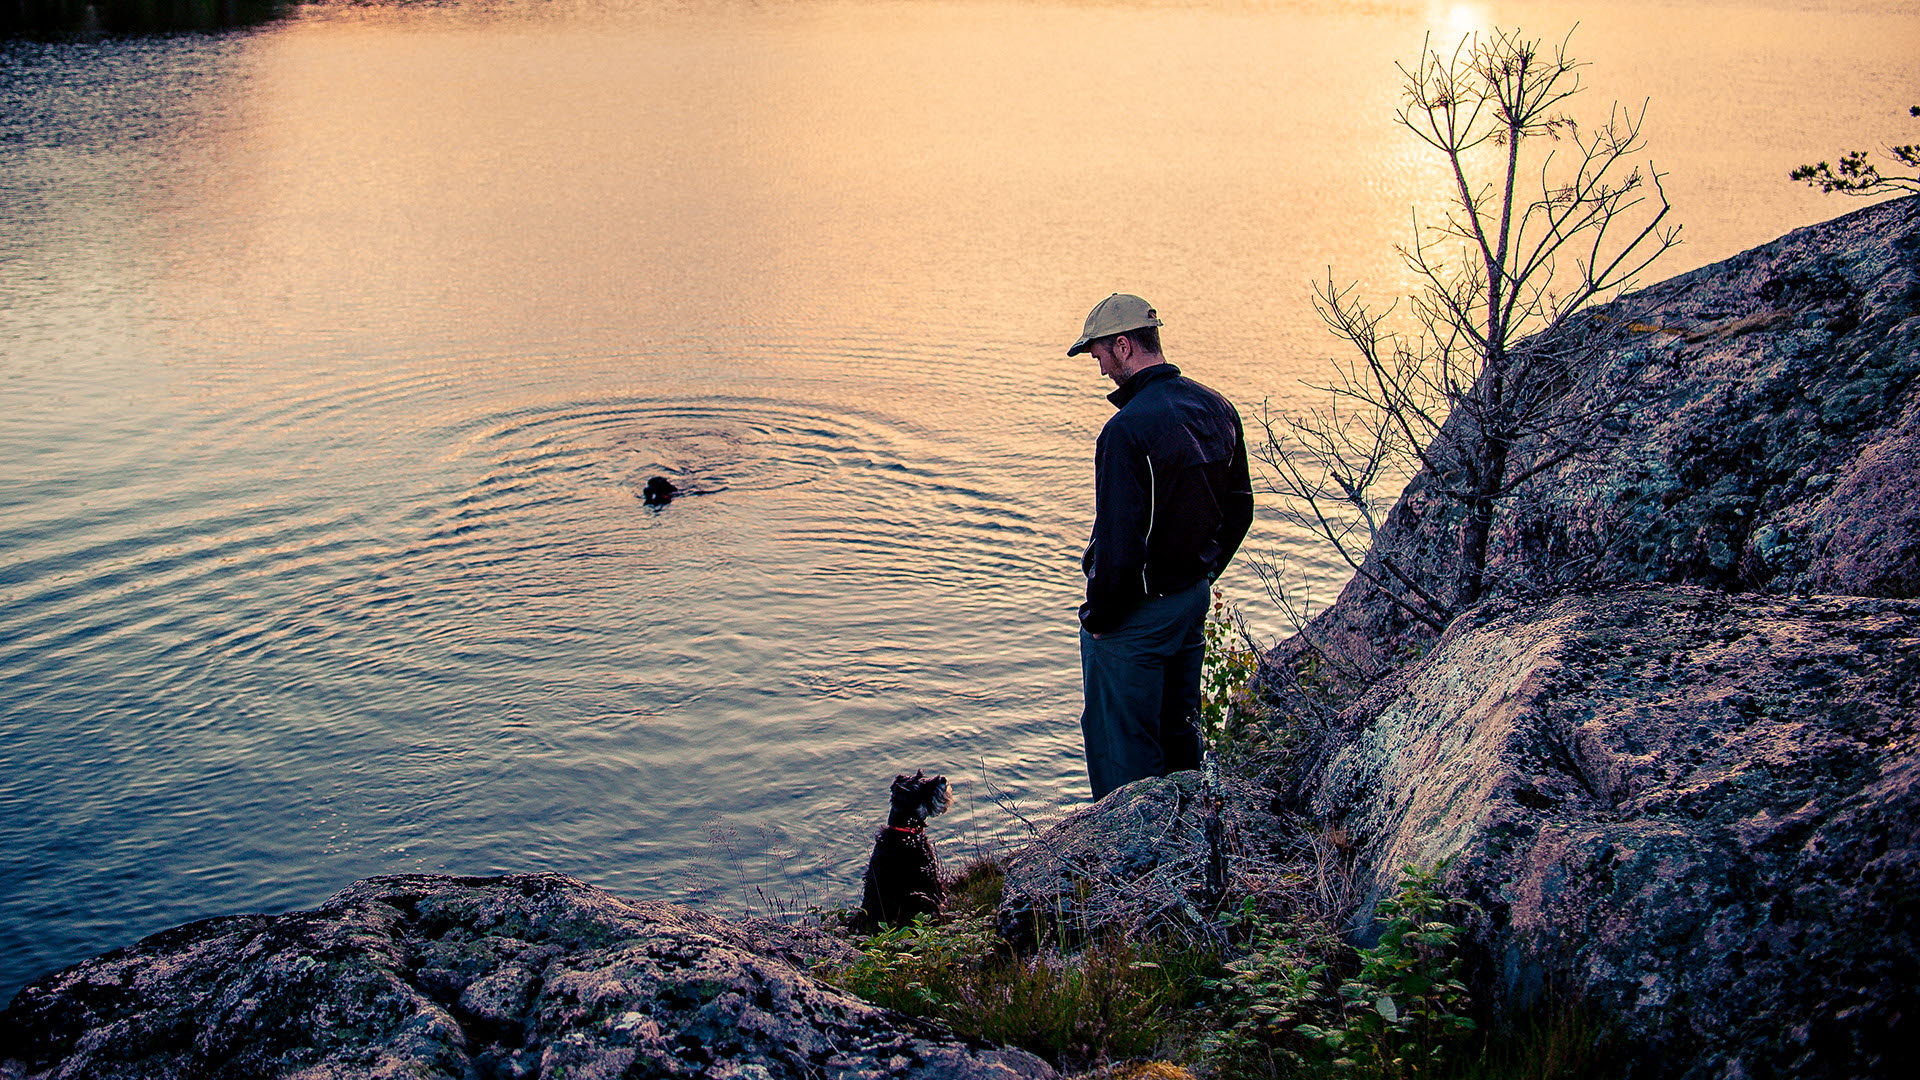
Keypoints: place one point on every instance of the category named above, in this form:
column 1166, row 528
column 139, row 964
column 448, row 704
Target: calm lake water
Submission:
column 335, row 351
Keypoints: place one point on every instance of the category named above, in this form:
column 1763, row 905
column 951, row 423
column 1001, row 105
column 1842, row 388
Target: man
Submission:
column 1172, row 501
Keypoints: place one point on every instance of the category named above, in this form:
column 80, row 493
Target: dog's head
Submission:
column 920, row 795
column 659, row 490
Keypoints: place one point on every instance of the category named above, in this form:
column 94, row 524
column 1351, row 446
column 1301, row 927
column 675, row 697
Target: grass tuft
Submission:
column 976, row 887
column 1114, row 1000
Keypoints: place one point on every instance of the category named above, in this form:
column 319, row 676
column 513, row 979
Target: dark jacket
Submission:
column 1172, row 497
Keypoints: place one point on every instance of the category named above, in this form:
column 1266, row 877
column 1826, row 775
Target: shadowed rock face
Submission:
column 1157, row 855
column 1774, row 442
column 422, row 976
column 1699, row 812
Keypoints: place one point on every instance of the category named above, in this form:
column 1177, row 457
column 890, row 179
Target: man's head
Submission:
column 1123, row 334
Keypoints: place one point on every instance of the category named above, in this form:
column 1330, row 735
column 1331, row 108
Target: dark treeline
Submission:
column 69, row 18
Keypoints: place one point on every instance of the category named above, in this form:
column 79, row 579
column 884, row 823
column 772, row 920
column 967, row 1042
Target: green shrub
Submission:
column 1300, row 1003
column 1281, row 981
column 921, row 967
column 1404, row 1012
column 1399, row 1010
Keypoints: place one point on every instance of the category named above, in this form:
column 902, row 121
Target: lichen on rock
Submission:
column 1695, row 812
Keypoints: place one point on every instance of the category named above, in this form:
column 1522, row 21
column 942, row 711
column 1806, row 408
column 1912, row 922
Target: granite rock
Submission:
column 1773, row 444
column 1698, row 813
column 1157, row 856
column 534, row 975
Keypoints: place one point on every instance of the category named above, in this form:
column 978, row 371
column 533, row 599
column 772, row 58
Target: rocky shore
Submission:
column 1678, row 768
column 533, row 975
column 1675, row 772
column 1694, row 812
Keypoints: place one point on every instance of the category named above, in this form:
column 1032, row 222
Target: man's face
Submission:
column 1103, row 351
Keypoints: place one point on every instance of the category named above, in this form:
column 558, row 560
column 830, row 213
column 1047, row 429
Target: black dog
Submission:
column 660, row 491
column 903, row 876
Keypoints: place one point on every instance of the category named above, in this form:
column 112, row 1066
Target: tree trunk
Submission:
column 1479, row 527
column 1473, row 553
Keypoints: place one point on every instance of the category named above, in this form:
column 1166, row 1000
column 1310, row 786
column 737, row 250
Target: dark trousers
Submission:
column 1142, row 683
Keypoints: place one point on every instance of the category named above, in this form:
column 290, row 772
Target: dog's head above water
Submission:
column 920, row 796
column 659, row 492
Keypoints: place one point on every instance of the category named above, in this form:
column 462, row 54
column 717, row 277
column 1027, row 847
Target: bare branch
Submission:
column 1474, row 390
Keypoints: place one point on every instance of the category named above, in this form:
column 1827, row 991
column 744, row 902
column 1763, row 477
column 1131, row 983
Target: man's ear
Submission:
column 1122, row 349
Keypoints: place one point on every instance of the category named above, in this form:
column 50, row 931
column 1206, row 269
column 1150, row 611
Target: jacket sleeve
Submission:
column 1236, row 501
column 1116, row 559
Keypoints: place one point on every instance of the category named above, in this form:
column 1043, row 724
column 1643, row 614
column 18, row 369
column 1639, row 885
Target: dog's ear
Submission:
column 936, row 797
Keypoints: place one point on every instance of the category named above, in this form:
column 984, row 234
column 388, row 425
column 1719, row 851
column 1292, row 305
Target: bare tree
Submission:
column 1545, row 216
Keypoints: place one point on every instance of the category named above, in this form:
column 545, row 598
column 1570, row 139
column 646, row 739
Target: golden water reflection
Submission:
column 925, row 171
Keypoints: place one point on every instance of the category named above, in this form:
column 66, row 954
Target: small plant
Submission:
column 1856, row 175
column 918, row 968
column 1401, row 1012
column 1226, row 707
column 1404, row 1011
column 1267, row 995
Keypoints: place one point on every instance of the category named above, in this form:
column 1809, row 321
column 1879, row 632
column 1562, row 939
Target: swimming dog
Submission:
column 659, row 491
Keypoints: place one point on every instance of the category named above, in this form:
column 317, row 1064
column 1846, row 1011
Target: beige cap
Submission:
column 1117, row 313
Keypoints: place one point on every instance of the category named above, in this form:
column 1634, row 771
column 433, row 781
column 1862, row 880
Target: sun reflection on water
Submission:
column 1452, row 21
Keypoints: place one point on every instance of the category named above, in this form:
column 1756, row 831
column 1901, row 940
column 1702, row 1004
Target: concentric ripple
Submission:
column 367, row 620
column 713, row 444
